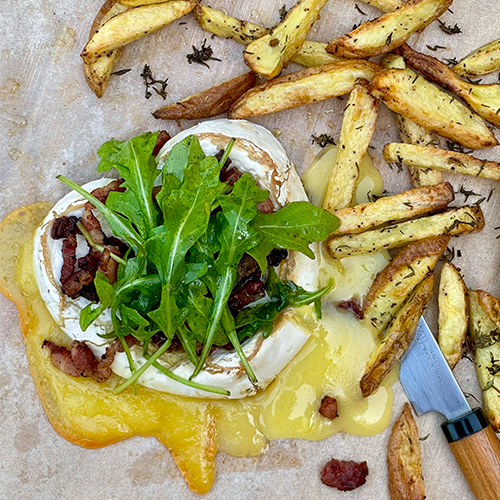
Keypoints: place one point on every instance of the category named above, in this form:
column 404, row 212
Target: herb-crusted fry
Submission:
column 132, row 25
column 453, row 314
column 393, row 285
column 358, row 125
column 272, row 52
column 399, row 207
column 483, row 99
column 388, row 31
column 397, row 337
column 440, row 159
column 403, row 459
column 385, row 5
column 303, row 87
column 209, row 102
column 482, row 61
column 412, row 96
column 453, row 222
column 244, row 32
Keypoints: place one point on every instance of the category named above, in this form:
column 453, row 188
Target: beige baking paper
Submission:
column 51, row 123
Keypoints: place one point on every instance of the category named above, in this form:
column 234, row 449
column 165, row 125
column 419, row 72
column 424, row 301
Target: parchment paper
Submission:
column 51, row 123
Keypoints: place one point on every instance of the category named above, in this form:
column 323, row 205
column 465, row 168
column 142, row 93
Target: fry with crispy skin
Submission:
column 397, row 337
column 403, row 459
column 302, row 87
column 482, row 61
column 358, row 125
column 453, row 222
column 389, row 31
column 402, row 206
column 269, row 54
column 417, row 99
column 132, row 25
column 453, row 314
column 440, row 159
column 209, row 102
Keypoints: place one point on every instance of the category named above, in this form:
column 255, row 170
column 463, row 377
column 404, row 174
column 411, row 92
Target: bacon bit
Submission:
column 61, row 358
column 76, row 282
column 352, row 305
column 69, row 258
column 92, row 225
column 266, row 206
column 108, row 266
column 83, row 358
column 62, row 227
column 328, row 407
column 344, row 475
column 163, row 137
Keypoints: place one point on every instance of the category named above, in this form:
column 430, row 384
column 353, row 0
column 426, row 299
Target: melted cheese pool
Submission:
column 86, row 413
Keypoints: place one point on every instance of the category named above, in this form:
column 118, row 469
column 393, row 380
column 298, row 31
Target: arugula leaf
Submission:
column 106, row 295
column 183, row 154
column 294, row 227
column 137, row 167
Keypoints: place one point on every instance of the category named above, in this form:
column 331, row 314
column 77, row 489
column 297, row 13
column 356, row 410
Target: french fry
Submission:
column 453, row 222
column 394, row 284
column 402, row 206
column 97, row 74
column 453, row 314
column 485, row 342
column 358, row 125
column 215, row 21
column 483, row 99
column 132, row 25
column 385, row 5
column 269, row 54
column 397, row 338
column 415, row 98
column 209, row 102
column 482, row 61
column 404, row 460
column 389, row 31
column 442, row 160
column 302, row 87
column 412, row 133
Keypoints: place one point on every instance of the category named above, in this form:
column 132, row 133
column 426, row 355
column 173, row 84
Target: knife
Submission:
column 431, row 386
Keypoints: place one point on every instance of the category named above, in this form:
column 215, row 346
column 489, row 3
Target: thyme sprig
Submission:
column 449, row 30
column 151, row 83
column 201, row 55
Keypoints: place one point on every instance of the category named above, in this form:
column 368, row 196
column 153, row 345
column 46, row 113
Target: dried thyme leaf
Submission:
column 283, row 12
column 323, row 140
column 436, row 47
column 121, row 72
column 449, row 30
column 356, row 6
column 151, row 83
column 204, row 53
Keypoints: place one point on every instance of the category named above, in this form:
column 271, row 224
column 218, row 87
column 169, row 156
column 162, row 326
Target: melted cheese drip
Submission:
column 331, row 362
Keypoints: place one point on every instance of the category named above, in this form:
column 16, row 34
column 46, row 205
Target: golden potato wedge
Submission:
column 389, row 31
column 402, row 206
column 97, row 74
column 404, row 465
column 483, row 99
column 303, row 87
column 132, row 25
column 417, row 99
column 385, row 5
column 397, row 338
column 453, row 314
column 453, row 222
column 136, row 3
column 394, row 284
column 482, row 61
column 215, row 21
column 440, row 159
column 268, row 55
column 412, row 133
column 485, row 343
column 209, row 102
column 358, row 125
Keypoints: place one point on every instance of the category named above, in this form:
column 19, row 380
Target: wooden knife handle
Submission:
column 477, row 450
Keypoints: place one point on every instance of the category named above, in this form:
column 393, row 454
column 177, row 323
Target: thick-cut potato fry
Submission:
column 453, row 222
column 132, row 25
column 269, row 54
column 215, row 21
column 389, row 31
column 394, row 284
column 483, row 99
column 482, row 61
column 402, row 206
column 485, row 340
column 453, row 314
column 404, row 465
column 440, row 159
column 385, row 5
column 412, row 133
column 209, row 102
column 97, row 74
column 417, row 99
column 397, row 338
column 303, row 87
column 358, row 125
